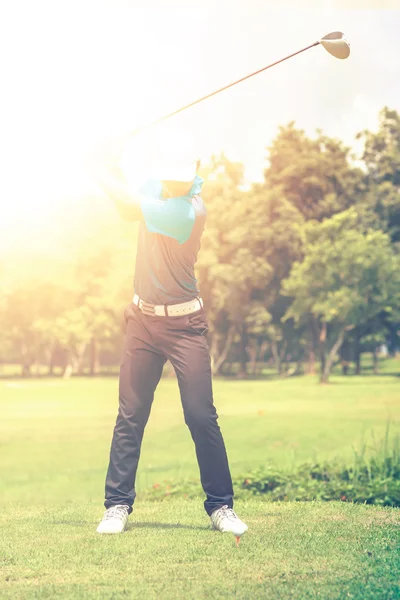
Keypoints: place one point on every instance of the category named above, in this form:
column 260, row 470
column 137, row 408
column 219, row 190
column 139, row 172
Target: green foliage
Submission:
column 290, row 270
column 382, row 159
column 348, row 275
column 313, row 174
column 373, row 479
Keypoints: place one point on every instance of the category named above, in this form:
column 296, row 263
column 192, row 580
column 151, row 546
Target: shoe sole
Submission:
column 110, row 532
column 216, row 529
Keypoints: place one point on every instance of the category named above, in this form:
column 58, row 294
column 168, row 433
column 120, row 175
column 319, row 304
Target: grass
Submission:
column 57, row 433
column 291, row 551
column 54, row 443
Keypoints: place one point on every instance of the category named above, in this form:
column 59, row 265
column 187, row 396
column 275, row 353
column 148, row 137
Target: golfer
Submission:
column 165, row 321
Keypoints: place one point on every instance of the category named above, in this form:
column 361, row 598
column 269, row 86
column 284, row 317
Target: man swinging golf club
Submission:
column 165, row 321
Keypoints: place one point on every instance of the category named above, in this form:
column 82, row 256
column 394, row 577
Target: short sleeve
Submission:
column 174, row 217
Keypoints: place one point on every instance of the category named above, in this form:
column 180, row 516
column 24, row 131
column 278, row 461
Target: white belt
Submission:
column 172, row 310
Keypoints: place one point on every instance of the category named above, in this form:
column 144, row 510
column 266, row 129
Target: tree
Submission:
column 274, row 226
column 29, row 307
column 251, row 239
column 348, row 276
column 315, row 175
column 228, row 269
column 382, row 160
column 306, row 179
column 381, row 205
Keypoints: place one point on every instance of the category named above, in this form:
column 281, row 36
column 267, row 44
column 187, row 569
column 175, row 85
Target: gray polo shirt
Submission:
column 164, row 272
column 169, row 241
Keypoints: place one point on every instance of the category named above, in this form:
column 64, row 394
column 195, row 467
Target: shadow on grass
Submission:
column 156, row 525
column 138, row 525
column 75, row 523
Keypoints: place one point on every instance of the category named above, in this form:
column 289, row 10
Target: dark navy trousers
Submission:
column 150, row 342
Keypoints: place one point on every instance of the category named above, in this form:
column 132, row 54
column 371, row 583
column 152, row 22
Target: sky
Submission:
column 74, row 72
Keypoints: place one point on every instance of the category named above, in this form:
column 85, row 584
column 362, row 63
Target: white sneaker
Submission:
column 225, row 520
column 114, row 520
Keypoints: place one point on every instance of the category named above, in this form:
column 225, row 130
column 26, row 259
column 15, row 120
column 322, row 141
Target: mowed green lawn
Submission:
column 54, row 444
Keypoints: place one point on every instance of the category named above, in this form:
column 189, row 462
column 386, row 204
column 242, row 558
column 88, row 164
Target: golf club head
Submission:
column 336, row 44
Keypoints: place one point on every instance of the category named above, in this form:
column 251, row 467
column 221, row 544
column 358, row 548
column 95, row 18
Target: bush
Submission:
column 370, row 480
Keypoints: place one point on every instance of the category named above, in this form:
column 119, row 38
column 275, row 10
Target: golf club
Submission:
column 335, row 43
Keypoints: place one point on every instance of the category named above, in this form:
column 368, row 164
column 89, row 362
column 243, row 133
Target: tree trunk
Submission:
column 94, row 357
column 345, row 357
column 79, row 358
column 26, row 369
column 68, row 370
column 313, row 344
column 50, row 365
column 322, row 349
column 26, row 361
column 310, row 369
column 243, row 354
column 276, row 357
column 217, row 363
column 292, row 370
column 284, row 359
column 357, row 352
column 74, row 361
column 261, row 356
column 332, row 355
column 49, row 352
column 252, row 352
column 375, row 361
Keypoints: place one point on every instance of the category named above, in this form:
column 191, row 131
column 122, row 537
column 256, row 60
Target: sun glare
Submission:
column 79, row 72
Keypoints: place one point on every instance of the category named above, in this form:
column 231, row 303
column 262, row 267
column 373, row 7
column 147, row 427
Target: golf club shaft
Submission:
column 175, row 112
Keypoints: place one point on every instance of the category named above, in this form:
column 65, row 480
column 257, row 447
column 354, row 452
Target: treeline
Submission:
column 300, row 271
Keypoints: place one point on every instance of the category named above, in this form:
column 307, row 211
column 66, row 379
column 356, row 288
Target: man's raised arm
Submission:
column 106, row 168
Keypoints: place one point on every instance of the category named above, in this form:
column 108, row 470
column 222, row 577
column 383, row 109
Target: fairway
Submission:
column 57, row 433
column 55, row 438
column 326, row 551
